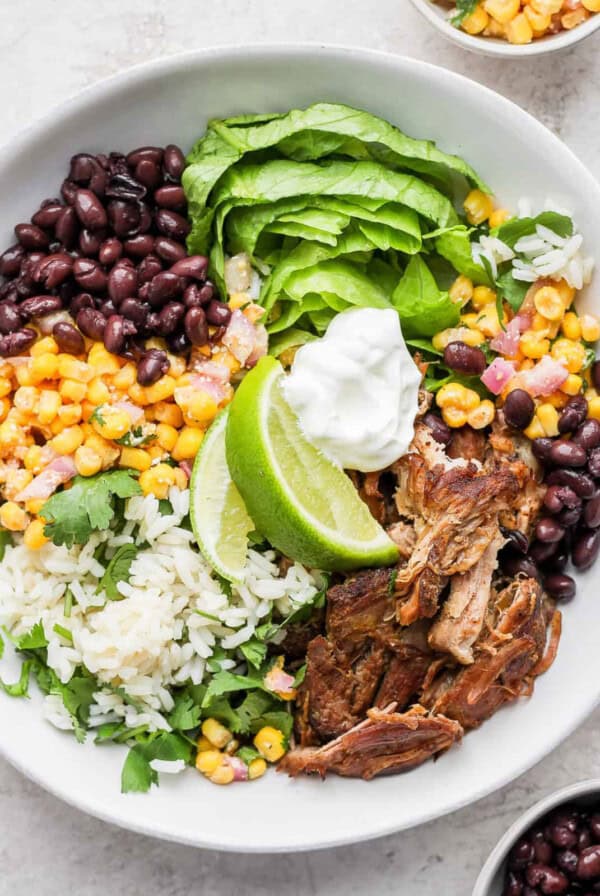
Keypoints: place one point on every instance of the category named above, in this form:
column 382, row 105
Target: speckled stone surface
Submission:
column 49, row 49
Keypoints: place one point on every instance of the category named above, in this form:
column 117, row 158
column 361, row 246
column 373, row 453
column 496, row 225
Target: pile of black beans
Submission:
column 560, row 854
column 569, row 528
column 111, row 252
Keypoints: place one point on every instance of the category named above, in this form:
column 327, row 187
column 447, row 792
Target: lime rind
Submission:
column 219, row 518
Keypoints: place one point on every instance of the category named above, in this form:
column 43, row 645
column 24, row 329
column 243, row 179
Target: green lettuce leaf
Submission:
column 514, row 229
column 455, row 247
column 423, row 308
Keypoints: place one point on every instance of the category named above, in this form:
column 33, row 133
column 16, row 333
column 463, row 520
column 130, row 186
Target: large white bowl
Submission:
column 492, row 46
column 171, row 100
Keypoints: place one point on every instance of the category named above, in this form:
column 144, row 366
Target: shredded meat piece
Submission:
column 463, row 613
column 512, row 450
column 385, row 742
column 505, row 659
column 467, row 443
column 404, row 537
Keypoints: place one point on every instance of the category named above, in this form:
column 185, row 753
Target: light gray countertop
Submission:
column 49, row 49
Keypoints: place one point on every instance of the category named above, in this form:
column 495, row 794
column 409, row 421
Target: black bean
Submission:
column 541, row 447
column 170, row 196
column 154, row 153
column 196, row 328
column 47, row 215
column 207, row 293
column 440, row 431
column 548, row 530
column 139, row 246
column 588, row 434
column 573, row 414
column 32, row 237
column 152, row 366
column 566, row 859
column 542, row 849
column 122, row 282
column 549, row 880
column 169, row 250
column 173, row 161
column 561, row 587
column 53, row 270
column 552, row 498
column 90, row 210
column 10, row 318
column 567, row 454
column 596, row 374
column 110, row 251
column 82, row 167
column 519, row 408
column 513, row 885
column 163, row 287
column 520, row 855
column 594, row 463
column 143, row 292
column 118, row 328
column 172, row 224
column 585, row 839
column 588, row 866
column 218, row 314
column 16, row 343
column 530, row 891
column 152, row 321
column 148, row 173
column 569, row 516
column 90, row 242
column 542, row 551
column 38, row 306
column 107, row 307
column 68, row 338
column 192, row 266
column 594, row 826
column 10, row 260
column 514, row 564
column 68, row 191
column 191, row 296
column 67, row 227
column 124, row 217
column 148, row 268
column 591, row 512
column 179, row 343
column 123, row 186
column 92, row 323
column 134, row 310
column 169, row 317
column 81, row 300
column 585, row 548
column 517, row 539
column 89, row 275
column 580, row 482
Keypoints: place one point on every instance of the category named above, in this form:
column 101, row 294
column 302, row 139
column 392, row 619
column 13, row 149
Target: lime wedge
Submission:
column 301, row 502
column 219, row 518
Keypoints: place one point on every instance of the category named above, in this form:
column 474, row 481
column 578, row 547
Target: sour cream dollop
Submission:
column 355, row 391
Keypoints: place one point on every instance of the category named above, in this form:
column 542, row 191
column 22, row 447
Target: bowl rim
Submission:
column 109, row 88
column 499, row 853
column 490, row 46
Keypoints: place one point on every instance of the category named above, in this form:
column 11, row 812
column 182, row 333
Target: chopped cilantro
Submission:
column 63, row 633
column 248, row 754
column 254, row 652
column 136, row 437
column 185, row 715
column 117, row 571
column 97, row 416
column 19, row 688
column 5, row 540
column 69, row 600
column 138, row 775
column 72, row 515
column 34, row 639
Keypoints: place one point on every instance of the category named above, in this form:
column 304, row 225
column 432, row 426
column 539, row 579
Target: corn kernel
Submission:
column 169, row 413
column 33, row 459
column 5, row 386
column 535, row 430
column 97, row 391
column 488, row 322
column 48, row 406
column 161, row 389
column 548, row 417
column 101, row 361
column 155, row 451
column 224, row 774
column 591, row 5
column 519, row 30
column 110, row 423
column 570, row 326
column 208, row 761
column 188, row 443
column 217, row 734
column 270, row 743
column 461, row 290
column 482, row 295
column 43, row 367
column 166, row 436
column 23, row 375
column 71, row 368
column 202, row 409
column 471, row 337
column 177, row 365
column 454, row 417
column 34, row 537
column 594, row 407
column 572, row 385
column 204, row 744
column 457, row 395
column 548, row 302
column 256, row 769
column 4, row 408
column 87, row 461
column 181, row 480
column 567, row 293
column 135, row 458
column 34, row 505
column 125, row 378
column 539, row 21
column 557, row 399
column 482, row 415
column 503, row 11
column 573, row 19
column 26, row 398
column 590, row 328
column 157, row 480
column 546, row 7
column 478, row 207
column 16, row 480
column 68, row 441
column 109, row 453
column 87, row 411
column 533, row 344
column 569, row 352
column 499, row 216
column 68, row 414
column 72, row 390
column 44, row 346
column 13, row 517
column 476, row 22
column 138, row 395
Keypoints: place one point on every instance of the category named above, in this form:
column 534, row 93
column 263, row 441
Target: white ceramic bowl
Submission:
column 491, row 46
column 491, row 878
column 170, row 100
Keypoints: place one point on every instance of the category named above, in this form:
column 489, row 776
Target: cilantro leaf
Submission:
column 72, row 515
column 19, row 688
column 118, row 571
column 254, row 652
column 225, row 682
column 185, row 715
column 34, row 639
column 137, row 775
column 136, row 437
column 248, row 754
column 513, row 291
column 464, row 8
column 5, row 540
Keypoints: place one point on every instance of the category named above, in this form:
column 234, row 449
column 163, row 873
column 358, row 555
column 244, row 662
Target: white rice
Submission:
column 543, row 254
column 155, row 637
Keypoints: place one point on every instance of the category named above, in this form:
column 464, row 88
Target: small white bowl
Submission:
column 491, row 878
column 492, row 46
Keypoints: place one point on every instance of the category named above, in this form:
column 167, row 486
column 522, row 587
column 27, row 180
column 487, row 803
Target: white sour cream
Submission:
column 355, row 391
